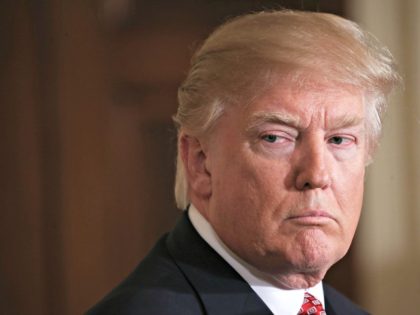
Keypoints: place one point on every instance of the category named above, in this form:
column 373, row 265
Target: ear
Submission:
column 194, row 158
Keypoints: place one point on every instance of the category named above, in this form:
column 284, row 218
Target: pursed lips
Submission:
column 312, row 217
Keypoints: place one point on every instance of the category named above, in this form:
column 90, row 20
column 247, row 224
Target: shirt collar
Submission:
column 279, row 301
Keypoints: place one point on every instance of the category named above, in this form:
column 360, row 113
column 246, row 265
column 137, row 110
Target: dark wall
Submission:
column 87, row 92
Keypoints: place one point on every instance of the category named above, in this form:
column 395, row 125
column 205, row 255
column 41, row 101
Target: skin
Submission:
column 281, row 180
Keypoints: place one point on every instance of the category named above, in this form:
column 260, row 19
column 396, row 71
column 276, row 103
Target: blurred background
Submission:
column 87, row 90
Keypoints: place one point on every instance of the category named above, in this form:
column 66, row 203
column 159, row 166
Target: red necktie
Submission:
column 311, row 306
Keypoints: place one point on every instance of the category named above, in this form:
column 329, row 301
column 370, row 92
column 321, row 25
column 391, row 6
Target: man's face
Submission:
column 287, row 178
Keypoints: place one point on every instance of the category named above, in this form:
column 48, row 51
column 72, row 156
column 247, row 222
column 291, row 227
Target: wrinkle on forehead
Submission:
column 296, row 104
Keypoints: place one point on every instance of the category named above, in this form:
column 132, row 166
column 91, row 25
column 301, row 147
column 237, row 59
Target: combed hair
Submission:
column 244, row 57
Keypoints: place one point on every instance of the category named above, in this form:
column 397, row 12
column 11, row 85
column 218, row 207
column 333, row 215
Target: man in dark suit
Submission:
column 277, row 119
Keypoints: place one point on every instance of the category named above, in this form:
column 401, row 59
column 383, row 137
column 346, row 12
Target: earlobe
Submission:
column 195, row 163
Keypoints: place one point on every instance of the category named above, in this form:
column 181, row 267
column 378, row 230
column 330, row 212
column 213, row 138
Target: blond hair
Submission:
column 244, row 57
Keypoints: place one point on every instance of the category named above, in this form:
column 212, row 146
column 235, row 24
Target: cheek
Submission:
column 248, row 191
column 247, row 175
column 350, row 197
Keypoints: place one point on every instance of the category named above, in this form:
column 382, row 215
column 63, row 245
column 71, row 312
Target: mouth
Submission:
column 311, row 218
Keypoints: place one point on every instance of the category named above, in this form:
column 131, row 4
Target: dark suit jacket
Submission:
column 184, row 275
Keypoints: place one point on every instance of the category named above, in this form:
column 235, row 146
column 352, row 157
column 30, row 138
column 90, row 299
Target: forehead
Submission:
column 301, row 104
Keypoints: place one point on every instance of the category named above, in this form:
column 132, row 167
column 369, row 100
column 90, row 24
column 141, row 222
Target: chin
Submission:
column 315, row 254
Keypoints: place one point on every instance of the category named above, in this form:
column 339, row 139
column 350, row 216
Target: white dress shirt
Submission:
column 279, row 301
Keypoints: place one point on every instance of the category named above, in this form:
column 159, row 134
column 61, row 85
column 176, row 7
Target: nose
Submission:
column 312, row 168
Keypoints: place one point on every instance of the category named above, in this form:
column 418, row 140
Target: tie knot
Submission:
column 311, row 306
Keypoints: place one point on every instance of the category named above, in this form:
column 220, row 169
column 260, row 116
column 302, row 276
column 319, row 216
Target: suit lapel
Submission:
column 338, row 304
column 219, row 287
column 329, row 308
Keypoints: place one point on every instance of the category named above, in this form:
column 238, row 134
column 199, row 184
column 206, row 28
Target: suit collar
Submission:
column 219, row 287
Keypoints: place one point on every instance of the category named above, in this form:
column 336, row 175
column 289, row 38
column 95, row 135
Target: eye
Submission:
column 341, row 140
column 276, row 138
column 336, row 140
column 270, row 138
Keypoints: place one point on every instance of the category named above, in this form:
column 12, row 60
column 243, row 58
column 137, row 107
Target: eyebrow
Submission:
column 287, row 119
column 345, row 121
column 280, row 118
